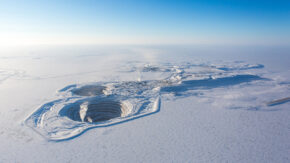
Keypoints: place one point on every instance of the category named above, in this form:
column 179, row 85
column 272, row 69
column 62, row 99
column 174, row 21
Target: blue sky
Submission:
column 145, row 22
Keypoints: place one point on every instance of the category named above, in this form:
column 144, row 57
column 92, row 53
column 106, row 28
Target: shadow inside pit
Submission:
column 209, row 83
column 93, row 111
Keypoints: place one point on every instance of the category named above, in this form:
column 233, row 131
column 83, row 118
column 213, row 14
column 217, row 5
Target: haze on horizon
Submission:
column 34, row 22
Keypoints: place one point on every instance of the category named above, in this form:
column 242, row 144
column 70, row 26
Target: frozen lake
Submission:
column 145, row 104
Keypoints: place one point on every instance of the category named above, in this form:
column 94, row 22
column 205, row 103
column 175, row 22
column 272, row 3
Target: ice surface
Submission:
column 6, row 74
column 123, row 104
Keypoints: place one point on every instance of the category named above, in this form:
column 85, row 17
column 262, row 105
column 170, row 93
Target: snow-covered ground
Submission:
column 145, row 104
